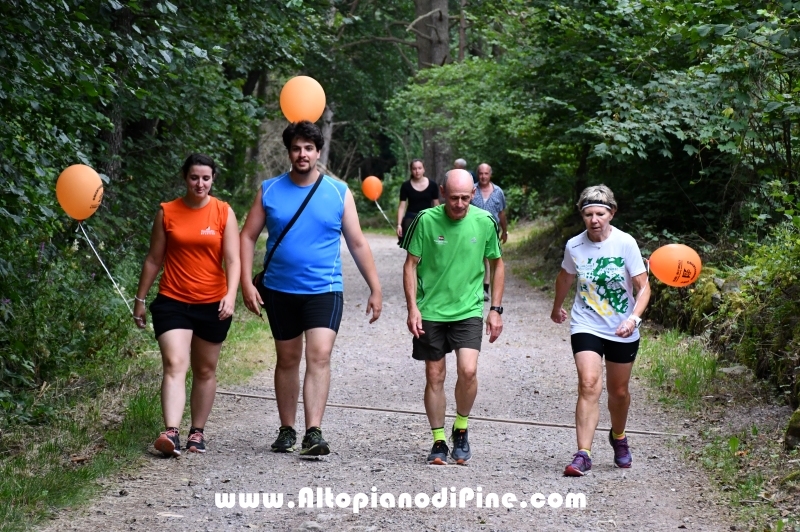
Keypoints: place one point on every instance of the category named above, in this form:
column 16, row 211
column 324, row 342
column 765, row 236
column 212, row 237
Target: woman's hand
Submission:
column 399, row 231
column 626, row 328
column 227, row 305
column 139, row 314
column 559, row 315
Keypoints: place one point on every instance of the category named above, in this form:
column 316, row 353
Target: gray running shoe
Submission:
column 438, row 454
column 461, row 453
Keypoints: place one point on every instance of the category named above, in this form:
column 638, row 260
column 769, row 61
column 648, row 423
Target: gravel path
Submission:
column 527, row 374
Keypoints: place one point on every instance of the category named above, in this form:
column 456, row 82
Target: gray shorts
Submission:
column 442, row 337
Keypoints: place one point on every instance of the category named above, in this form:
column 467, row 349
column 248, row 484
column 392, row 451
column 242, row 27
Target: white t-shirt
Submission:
column 604, row 297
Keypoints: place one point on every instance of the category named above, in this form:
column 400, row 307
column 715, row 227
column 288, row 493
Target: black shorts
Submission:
column 291, row 314
column 201, row 318
column 619, row 352
column 442, row 337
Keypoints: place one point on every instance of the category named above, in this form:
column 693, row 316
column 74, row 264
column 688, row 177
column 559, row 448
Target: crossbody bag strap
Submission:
column 292, row 221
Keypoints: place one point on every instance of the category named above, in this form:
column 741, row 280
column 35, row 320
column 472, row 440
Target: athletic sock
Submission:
column 438, row 434
column 587, row 451
column 617, row 436
column 461, row 421
column 485, row 287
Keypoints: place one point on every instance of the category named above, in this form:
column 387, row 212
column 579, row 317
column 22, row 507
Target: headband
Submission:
column 591, row 203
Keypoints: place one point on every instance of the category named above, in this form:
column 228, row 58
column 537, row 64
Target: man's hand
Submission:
column 494, row 325
column 375, row 304
column 414, row 322
column 504, row 237
column 559, row 315
column 251, row 297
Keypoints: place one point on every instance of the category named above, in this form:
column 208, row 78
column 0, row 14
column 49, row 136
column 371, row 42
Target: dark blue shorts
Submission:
column 200, row 318
column 291, row 314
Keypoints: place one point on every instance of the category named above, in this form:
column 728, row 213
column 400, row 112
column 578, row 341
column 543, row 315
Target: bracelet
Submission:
column 139, row 299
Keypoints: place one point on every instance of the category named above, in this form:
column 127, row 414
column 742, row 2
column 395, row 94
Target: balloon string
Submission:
column 383, row 213
column 80, row 224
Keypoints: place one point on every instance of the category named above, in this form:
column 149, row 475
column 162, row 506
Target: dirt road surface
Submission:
column 527, row 374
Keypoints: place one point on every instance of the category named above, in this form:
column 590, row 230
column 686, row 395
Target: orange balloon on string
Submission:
column 372, row 188
column 676, row 265
column 79, row 191
column 302, row 98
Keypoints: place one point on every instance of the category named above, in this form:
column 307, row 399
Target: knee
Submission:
column 318, row 358
column 468, row 375
column 619, row 392
column 288, row 361
column 204, row 372
column 435, row 378
column 590, row 387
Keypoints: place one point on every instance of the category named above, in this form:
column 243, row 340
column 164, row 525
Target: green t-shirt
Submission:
column 450, row 270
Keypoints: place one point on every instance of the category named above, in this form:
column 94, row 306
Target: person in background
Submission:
column 461, row 164
column 611, row 296
column 191, row 238
column 490, row 197
column 416, row 194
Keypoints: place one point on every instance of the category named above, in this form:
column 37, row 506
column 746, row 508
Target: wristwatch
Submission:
column 636, row 320
column 499, row 310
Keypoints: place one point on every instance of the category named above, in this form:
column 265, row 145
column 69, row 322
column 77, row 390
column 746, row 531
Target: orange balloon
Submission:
column 676, row 265
column 372, row 188
column 79, row 191
column 302, row 98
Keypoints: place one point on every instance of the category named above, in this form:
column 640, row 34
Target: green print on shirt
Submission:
column 602, row 285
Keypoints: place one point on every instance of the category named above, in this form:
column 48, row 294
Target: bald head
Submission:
column 457, row 191
column 457, row 180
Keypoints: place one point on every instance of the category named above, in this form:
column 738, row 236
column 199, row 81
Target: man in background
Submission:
column 490, row 197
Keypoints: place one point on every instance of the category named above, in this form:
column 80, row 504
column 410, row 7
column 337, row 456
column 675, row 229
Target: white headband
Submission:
column 595, row 205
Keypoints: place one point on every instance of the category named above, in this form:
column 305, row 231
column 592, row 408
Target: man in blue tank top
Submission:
column 301, row 289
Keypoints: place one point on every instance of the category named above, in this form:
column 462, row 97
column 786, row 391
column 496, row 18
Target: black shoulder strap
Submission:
column 292, row 221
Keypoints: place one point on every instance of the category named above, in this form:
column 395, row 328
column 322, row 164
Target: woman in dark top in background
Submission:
column 416, row 194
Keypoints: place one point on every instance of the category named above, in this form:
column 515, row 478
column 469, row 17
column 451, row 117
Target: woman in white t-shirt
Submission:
column 611, row 294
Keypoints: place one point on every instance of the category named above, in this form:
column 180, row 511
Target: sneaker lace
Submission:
column 285, row 434
column 171, row 433
column 459, row 438
column 439, row 446
column 621, row 447
column 196, row 437
column 579, row 460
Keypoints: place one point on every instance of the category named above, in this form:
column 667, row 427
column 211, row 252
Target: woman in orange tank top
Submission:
column 192, row 236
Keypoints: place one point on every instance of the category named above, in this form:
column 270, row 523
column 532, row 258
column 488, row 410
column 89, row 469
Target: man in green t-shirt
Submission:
column 443, row 282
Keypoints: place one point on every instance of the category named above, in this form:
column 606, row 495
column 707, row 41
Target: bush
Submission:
column 61, row 314
column 522, row 203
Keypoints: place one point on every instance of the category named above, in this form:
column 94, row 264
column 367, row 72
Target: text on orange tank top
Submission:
column 193, row 260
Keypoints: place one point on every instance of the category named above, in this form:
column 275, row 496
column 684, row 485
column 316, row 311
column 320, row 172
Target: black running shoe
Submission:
column 438, row 454
column 168, row 443
column 196, row 442
column 314, row 445
column 287, row 437
column 461, row 453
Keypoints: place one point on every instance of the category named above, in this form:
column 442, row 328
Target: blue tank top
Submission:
column 308, row 259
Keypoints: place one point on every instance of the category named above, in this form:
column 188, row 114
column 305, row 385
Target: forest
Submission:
column 689, row 111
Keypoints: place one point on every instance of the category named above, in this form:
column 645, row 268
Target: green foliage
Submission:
column 679, row 367
column 129, row 88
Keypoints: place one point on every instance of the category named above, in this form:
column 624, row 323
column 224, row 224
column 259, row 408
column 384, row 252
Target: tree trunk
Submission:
column 433, row 48
column 327, row 135
column 113, row 164
column 462, row 33
column 582, row 173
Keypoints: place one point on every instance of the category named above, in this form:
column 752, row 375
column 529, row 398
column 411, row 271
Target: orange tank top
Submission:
column 193, row 260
